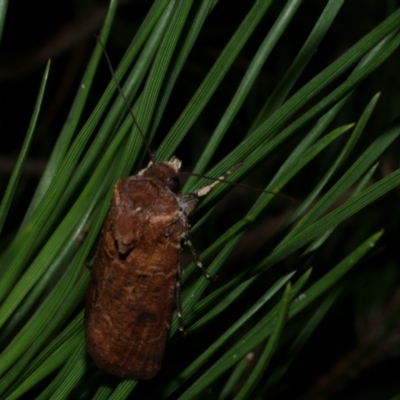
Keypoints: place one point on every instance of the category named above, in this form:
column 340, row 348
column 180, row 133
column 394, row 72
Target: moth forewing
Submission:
column 134, row 275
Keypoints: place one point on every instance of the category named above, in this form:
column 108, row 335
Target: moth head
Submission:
column 165, row 172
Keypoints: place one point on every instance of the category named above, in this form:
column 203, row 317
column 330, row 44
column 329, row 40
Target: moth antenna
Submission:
column 223, row 180
column 206, row 189
column 202, row 191
column 110, row 67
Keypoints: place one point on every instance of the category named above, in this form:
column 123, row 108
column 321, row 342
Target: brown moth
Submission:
column 134, row 275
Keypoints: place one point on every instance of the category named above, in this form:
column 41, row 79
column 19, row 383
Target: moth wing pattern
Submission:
column 131, row 292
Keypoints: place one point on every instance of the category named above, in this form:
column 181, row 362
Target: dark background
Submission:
column 63, row 31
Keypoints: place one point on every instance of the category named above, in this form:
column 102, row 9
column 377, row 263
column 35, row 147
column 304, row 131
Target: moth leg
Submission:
column 199, row 264
column 89, row 264
column 179, row 300
column 166, row 231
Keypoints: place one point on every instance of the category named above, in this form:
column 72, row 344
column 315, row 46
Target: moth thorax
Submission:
column 188, row 202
